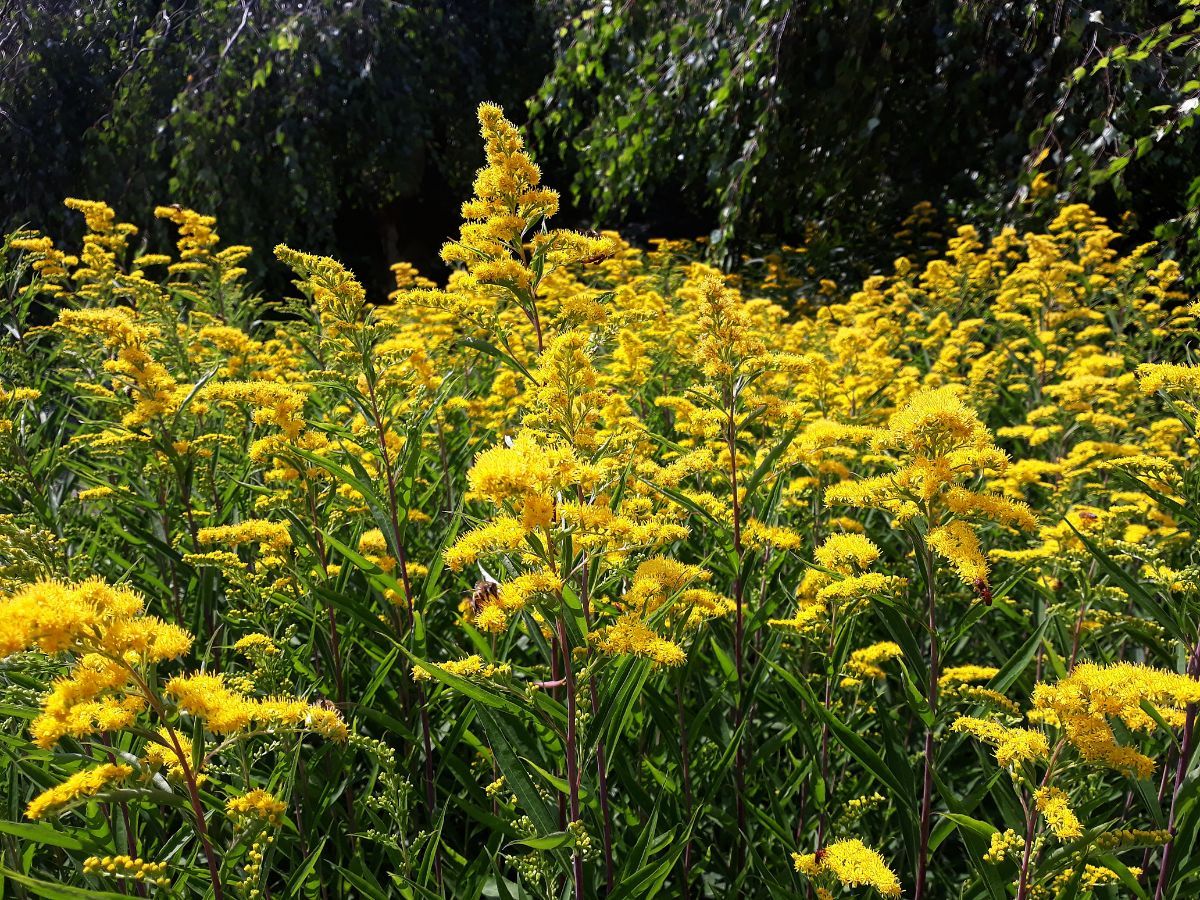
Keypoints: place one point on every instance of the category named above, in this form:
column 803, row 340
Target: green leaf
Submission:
column 1135, row 589
column 505, row 743
column 56, row 891
column 40, row 833
column 1019, row 661
column 769, row 461
column 974, row 826
column 364, row 565
column 547, row 842
column 492, row 350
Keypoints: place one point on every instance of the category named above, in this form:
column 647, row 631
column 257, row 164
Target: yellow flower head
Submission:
column 631, row 635
column 851, row 864
column 1084, row 701
column 83, row 784
column 257, row 805
column 1055, row 805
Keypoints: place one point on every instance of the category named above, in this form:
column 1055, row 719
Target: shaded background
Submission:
column 347, row 128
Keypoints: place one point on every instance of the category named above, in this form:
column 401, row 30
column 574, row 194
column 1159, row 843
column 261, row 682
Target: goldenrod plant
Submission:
column 595, row 571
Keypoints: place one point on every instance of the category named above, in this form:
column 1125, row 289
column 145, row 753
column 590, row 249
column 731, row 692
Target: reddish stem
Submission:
column 1185, row 757
column 927, row 784
column 572, row 749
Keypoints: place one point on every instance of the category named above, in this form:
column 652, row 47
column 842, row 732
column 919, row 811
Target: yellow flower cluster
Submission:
column 128, row 867
column 271, row 535
column 228, row 711
column 940, row 444
column 846, row 553
column 253, row 644
column 852, row 864
column 659, row 581
column 1084, row 702
column 631, row 635
column 1055, row 805
column 505, row 257
column 844, row 587
column 80, row 786
column 498, row 606
column 1002, row 845
column 257, row 805
column 163, row 755
column 85, row 616
column 1014, row 746
column 471, row 667
column 107, row 631
column 866, row 663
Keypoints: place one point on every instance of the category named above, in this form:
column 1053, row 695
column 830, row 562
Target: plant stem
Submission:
column 585, row 601
column 1023, row 879
column 572, row 748
column 828, row 702
column 130, row 837
column 602, row 782
column 739, row 630
column 189, row 777
column 1031, row 817
column 444, row 460
column 1185, row 758
column 927, row 785
column 430, row 796
column 410, row 612
column 557, row 681
column 1162, row 792
column 334, row 640
column 685, row 761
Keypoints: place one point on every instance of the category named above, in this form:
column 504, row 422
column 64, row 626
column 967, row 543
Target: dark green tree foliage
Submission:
column 340, row 126
column 1122, row 118
column 762, row 117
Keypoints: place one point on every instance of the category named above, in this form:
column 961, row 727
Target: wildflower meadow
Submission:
column 595, row 569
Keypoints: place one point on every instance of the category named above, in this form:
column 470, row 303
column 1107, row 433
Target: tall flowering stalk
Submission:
column 940, row 449
column 1169, row 474
column 379, row 374
column 505, row 249
column 548, row 545
column 504, row 259
column 565, row 516
column 732, row 357
column 830, row 597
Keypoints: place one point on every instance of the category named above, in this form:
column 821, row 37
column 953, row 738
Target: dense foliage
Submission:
column 325, row 123
column 596, row 572
column 335, row 124
column 772, row 115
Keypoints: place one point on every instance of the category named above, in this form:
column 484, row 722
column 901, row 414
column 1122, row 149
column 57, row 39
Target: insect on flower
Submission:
column 982, row 589
column 600, row 255
column 485, row 590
